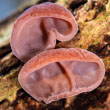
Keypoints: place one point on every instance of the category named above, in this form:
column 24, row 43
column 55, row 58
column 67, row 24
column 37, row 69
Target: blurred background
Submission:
column 7, row 7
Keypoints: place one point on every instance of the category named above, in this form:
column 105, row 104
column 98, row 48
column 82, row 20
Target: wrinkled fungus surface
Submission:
column 38, row 28
column 61, row 73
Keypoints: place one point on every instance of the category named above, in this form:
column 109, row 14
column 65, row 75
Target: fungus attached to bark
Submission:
column 61, row 73
column 38, row 28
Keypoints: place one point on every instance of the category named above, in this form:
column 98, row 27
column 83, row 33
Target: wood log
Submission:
column 93, row 17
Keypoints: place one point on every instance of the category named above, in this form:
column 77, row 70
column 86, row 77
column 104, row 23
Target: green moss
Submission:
column 93, row 31
column 9, row 86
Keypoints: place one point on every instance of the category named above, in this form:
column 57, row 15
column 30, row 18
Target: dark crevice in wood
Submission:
column 42, row 1
column 77, row 3
column 20, row 94
column 57, row 41
column 5, row 50
column 101, row 50
column 3, row 101
column 93, row 99
column 8, row 65
column 107, row 38
column 4, row 104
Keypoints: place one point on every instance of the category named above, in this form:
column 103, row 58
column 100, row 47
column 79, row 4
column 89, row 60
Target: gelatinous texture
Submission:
column 38, row 28
column 61, row 73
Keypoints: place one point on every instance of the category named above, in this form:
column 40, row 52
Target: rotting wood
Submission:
column 93, row 18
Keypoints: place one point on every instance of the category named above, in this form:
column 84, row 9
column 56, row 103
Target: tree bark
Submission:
column 93, row 17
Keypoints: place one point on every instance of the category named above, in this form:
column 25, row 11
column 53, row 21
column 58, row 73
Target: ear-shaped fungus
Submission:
column 38, row 28
column 61, row 73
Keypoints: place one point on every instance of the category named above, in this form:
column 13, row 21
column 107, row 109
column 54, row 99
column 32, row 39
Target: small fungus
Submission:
column 60, row 73
column 38, row 28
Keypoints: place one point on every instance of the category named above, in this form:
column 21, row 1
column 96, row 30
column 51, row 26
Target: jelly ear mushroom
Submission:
column 60, row 73
column 38, row 28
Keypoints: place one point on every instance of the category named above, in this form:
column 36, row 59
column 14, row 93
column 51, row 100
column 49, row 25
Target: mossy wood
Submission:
column 93, row 17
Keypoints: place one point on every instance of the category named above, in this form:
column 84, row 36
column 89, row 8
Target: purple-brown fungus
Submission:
column 52, row 74
column 61, row 73
column 38, row 28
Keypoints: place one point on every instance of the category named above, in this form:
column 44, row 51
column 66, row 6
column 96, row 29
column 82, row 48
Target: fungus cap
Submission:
column 38, row 28
column 61, row 73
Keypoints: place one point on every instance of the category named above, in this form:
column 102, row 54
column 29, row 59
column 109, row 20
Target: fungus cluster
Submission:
column 51, row 74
